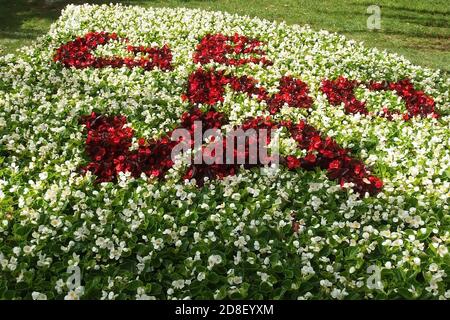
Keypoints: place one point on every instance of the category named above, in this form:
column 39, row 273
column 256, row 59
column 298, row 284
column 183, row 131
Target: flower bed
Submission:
column 92, row 205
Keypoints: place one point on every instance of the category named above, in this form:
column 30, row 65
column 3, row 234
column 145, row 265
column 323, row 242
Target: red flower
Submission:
column 340, row 91
column 315, row 142
column 141, row 141
column 335, row 164
column 376, row 182
column 310, row 158
column 292, row 92
column 292, row 162
column 206, row 87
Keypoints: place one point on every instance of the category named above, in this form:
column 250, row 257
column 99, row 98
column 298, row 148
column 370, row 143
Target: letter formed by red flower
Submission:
column 417, row 102
column 208, row 86
column 79, row 54
column 218, row 48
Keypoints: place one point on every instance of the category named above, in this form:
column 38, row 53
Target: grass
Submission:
column 419, row 30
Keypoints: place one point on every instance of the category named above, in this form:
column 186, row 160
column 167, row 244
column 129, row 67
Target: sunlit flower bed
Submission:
column 92, row 206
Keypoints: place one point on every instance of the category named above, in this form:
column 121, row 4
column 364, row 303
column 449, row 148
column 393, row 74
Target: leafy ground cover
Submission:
column 358, row 209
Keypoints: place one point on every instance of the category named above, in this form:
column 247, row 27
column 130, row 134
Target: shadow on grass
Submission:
column 431, row 22
column 394, row 24
column 393, row 32
column 13, row 17
column 421, row 11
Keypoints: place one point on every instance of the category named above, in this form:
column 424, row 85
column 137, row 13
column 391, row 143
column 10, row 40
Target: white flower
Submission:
column 145, row 297
column 16, row 250
column 307, row 270
column 178, row 284
column 433, row 267
column 56, row 222
column 60, row 284
column 442, row 250
column 235, row 280
column 338, row 293
column 38, row 296
column 264, row 276
column 140, row 295
column 43, row 175
column 71, row 295
column 201, row 276
column 447, row 294
column 157, row 243
column 325, row 283
column 241, row 242
column 213, row 260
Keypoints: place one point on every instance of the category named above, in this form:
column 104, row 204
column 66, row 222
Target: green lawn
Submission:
column 417, row 29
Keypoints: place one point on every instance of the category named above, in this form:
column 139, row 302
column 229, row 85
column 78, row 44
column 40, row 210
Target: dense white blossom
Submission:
column 140, row 238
